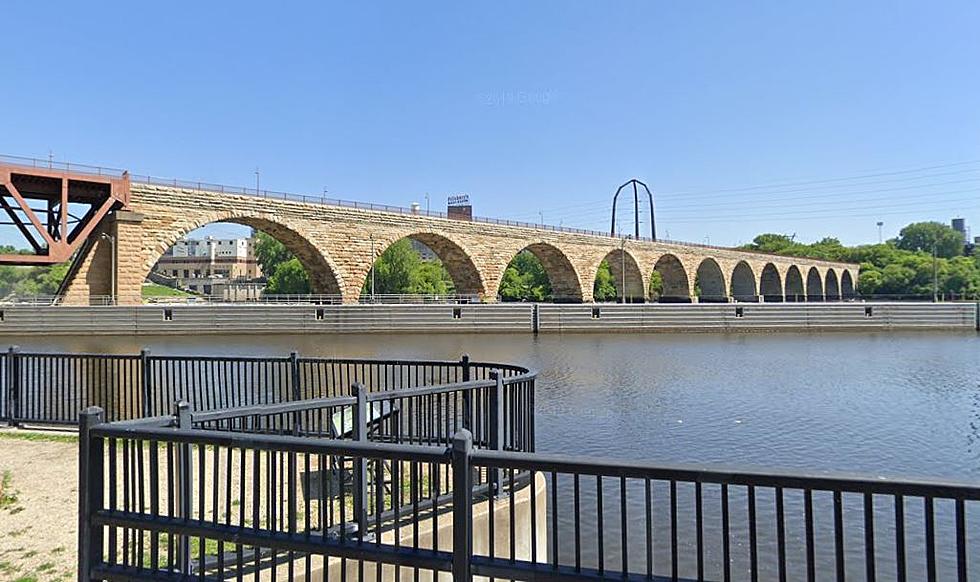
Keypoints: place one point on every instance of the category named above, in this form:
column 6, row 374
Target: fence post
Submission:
column 148, row 409
column 496, row 425
column 297, row 393
column 13, row 369
column 185, row 482
column 90, row 486
column 462, row 505
column 467, row 394
column 360, row 467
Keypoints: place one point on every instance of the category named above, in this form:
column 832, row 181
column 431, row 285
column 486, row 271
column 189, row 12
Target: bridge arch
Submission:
column 710, row 281
column 743, row 286
column 566, row 285
column 846, row 285
column 794, row 285
column 673, row 276
column 814, row 285
column 321, row 270
column 622, row 262
column 455, row 257
column 771, row 284
column 832, row 287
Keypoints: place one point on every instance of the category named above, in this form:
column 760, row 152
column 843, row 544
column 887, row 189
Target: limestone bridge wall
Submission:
column 337, row 245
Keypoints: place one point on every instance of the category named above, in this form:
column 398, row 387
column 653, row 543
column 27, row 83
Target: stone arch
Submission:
column 466, row 277
column 566, row 286
column 623, row 262
column 743, row 283
column 711, row 281
column 846, row 285
column 832, row 287
column 770, row 284
column 322, row 271
column 814, row 285
column 794, row 285
column 676, row 288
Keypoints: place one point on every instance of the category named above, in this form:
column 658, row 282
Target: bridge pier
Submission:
column 108, row 268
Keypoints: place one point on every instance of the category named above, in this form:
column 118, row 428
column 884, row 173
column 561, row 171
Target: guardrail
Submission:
column 318, row 199
column 50, row 388
column 414, row 482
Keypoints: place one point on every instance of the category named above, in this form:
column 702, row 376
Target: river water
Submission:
column 884, row 404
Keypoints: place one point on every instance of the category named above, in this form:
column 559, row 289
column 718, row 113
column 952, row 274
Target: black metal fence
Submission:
column 50, row 388
column 421, row 470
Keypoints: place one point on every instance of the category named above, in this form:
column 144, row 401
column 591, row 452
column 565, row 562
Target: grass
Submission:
column 151, row 290
column 8, row 495
column 38, row 436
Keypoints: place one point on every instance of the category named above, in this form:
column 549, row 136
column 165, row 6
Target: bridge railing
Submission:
column 319, row 199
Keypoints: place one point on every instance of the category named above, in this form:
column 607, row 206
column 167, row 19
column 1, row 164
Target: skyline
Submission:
column 536, row 111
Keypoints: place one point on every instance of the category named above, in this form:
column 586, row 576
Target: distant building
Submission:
column 425, row 252
column 209, row 264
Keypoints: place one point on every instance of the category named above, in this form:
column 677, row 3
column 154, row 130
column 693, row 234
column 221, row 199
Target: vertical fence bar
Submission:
column 462, row 506
column 467, row 394
column 496, row 425
column 148, row 408
column 14, row 384
column 90, row 487
column 185, row 482
column 360, row 467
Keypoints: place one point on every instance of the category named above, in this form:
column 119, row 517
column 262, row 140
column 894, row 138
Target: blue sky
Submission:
column 530, row 107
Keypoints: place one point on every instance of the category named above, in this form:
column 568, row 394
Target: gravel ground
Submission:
column 38, row 507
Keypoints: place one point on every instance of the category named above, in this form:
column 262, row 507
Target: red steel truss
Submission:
column 55, row 210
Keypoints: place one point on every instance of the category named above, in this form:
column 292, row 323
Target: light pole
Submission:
column 880, row 224
column 256, row 181
column 112, row 283
column 426, row 203
column 935, row 272
column 541, row 214
column 622, row 251
column 372, row 268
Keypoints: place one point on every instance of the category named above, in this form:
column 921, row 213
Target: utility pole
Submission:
column 373, row 260
column 880, row 224
column 623, row 253
column 112, row 280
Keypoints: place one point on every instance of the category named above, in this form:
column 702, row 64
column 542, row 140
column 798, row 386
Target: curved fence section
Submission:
column 50, row 388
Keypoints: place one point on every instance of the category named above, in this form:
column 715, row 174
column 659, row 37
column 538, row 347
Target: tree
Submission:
column 921, row 236
column 656, row 285
column 289, row 278
column 604, row 288
column 270, row 253
column 525, row 279
column 400, row 269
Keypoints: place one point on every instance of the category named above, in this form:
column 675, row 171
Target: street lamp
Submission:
column 622, row 251
column 935, row 271
column 372, row 267
column 112, row 243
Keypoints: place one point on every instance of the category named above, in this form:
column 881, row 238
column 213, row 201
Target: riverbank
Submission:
column 485, row 318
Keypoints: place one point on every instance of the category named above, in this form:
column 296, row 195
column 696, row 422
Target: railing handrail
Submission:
column 370, row 206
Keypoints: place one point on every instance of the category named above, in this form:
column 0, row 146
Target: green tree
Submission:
column 656, row 285
column 921, row 236
column 270, row 253
column 400, row 269
column 525, row 279
column 604, row 288
column 289, row 278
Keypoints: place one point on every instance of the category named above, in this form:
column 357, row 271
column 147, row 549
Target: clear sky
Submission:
column 533, row 108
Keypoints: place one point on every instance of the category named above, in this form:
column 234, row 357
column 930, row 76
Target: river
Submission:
column 900, row 404
column 882, row 404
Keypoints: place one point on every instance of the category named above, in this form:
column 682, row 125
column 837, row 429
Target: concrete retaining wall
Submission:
column 742, row 317
column 491, row 318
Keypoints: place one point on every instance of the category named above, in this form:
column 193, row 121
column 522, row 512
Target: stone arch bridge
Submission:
column 334, row 242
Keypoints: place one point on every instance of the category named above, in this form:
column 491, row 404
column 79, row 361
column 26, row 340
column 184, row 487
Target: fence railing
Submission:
column 197, row 496
column 50, row 388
